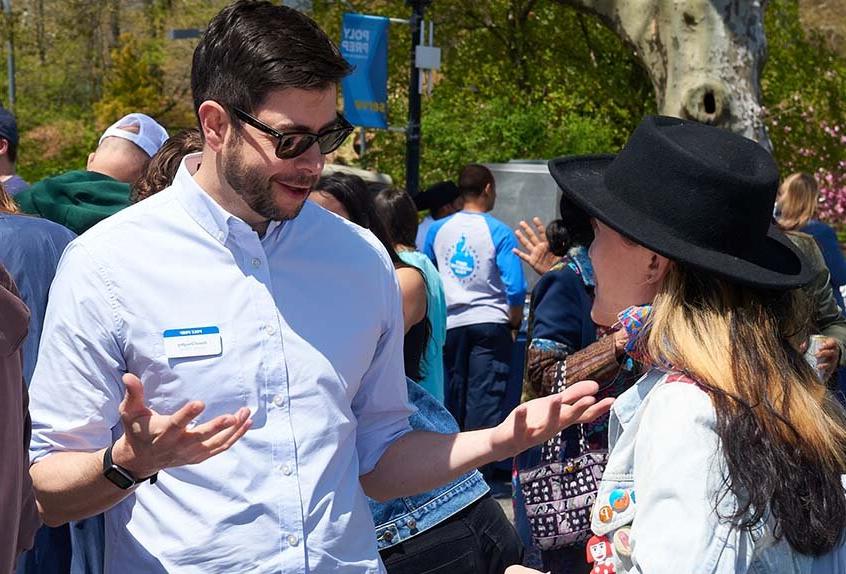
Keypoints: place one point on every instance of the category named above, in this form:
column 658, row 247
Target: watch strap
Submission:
column 115, row 472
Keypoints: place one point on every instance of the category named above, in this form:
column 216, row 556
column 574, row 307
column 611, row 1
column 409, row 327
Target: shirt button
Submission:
column 220, row 236
column 293, row 540
column 286, row 470
column 256, row 262
column 278, row 400
column 269, row 329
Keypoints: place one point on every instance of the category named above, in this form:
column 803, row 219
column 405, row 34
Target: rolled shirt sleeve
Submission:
column 381, row 404
column 76, row 387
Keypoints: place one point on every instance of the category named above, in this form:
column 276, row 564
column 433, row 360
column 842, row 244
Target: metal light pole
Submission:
column 412, row 134
column 10, row 53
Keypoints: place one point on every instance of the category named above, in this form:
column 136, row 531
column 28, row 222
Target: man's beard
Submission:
column 254, row 188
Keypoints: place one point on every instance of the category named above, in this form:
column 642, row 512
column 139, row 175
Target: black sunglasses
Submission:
column 294, row 143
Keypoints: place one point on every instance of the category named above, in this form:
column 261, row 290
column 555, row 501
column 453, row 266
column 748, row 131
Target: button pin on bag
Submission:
column 605, row 514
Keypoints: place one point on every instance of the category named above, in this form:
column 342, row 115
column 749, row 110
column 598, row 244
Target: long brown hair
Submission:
column 7, row 204
column 782, row 433
column 797, row 201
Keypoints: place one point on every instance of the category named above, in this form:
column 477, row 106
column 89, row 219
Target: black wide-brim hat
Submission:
column 696, row 194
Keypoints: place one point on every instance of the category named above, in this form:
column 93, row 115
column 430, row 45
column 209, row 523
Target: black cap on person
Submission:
column 436, row 196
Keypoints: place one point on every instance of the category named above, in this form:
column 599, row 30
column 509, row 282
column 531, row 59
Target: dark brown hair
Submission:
column 396, row 209
column 253, row 48
column 473, row 179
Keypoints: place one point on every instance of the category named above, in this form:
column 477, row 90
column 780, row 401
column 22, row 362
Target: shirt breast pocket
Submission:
column 212, row 372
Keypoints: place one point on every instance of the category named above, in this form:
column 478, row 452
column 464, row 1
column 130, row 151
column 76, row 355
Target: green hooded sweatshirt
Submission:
column 76, row 199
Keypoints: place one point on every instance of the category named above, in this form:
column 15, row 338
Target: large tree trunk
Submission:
column 704, row 56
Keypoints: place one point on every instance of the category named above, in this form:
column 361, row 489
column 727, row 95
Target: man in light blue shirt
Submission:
column 221, row 366
column 485, row 288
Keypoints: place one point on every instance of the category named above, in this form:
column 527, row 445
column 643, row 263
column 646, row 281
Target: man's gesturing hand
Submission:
column 152, row 442
column 538, row 420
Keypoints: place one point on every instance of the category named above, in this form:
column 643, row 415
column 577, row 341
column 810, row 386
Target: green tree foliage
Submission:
column 519, row 79
column 134, row 81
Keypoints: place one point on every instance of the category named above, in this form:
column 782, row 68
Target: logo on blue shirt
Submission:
column 462, row 263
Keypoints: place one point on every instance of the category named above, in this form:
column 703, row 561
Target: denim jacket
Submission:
column 399, row 519
column 655, row 508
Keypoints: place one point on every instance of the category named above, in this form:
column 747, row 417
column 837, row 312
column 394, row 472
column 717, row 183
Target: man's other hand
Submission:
column 152, row 442
column 536, row 421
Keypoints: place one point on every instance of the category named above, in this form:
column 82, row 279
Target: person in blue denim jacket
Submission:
column 454, row 529
column 727, row 456
column 457, row 528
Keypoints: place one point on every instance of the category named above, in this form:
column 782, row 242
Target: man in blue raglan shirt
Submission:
column 485, row 288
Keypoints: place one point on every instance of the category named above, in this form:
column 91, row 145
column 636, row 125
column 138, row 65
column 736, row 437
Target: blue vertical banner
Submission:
column 364, row 44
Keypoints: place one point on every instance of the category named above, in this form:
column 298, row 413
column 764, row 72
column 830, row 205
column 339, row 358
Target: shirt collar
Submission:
column 215, row 220
column 627, row 404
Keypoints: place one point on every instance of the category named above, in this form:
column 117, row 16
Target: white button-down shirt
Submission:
column 310, row 324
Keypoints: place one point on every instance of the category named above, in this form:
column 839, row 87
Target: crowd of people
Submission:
column 218, row 357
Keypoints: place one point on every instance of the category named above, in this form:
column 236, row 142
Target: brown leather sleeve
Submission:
column 548, row 370
column 596, row 362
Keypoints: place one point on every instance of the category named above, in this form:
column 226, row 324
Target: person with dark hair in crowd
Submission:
column 396, row 209
column 18, row 511
column 80, row 199
column 544, row 246
column 12, row 182
column 440, row 200
column 485, row 291
column 229, row 355
column 559, row 326
column 425, row 532
column 163, row 166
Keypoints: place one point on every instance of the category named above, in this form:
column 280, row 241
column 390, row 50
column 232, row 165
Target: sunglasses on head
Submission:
column 293, row 143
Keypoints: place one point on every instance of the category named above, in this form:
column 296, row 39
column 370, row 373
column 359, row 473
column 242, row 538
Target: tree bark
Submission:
column 704, row 57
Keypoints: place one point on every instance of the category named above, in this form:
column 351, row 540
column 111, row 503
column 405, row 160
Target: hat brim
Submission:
column 778, row 264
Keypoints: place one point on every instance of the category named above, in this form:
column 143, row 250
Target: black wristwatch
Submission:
column 119, row 476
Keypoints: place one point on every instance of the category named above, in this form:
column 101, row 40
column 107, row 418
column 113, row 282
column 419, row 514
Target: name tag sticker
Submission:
column 192, row 342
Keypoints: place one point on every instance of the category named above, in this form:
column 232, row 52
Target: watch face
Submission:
column 118, row 478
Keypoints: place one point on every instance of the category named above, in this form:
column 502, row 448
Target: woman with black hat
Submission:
column 727, row 456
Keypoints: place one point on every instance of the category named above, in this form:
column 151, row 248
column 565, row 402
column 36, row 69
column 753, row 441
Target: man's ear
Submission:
column 4, row 146
column 214, row 123
column 90, row 159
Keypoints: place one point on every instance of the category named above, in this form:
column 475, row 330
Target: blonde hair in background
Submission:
column 781, row 431
column 797, row 201
column 7, row 204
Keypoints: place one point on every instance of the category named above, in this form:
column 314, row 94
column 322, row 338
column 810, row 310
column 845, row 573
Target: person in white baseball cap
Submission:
column 140, row 129
column 79, row 199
